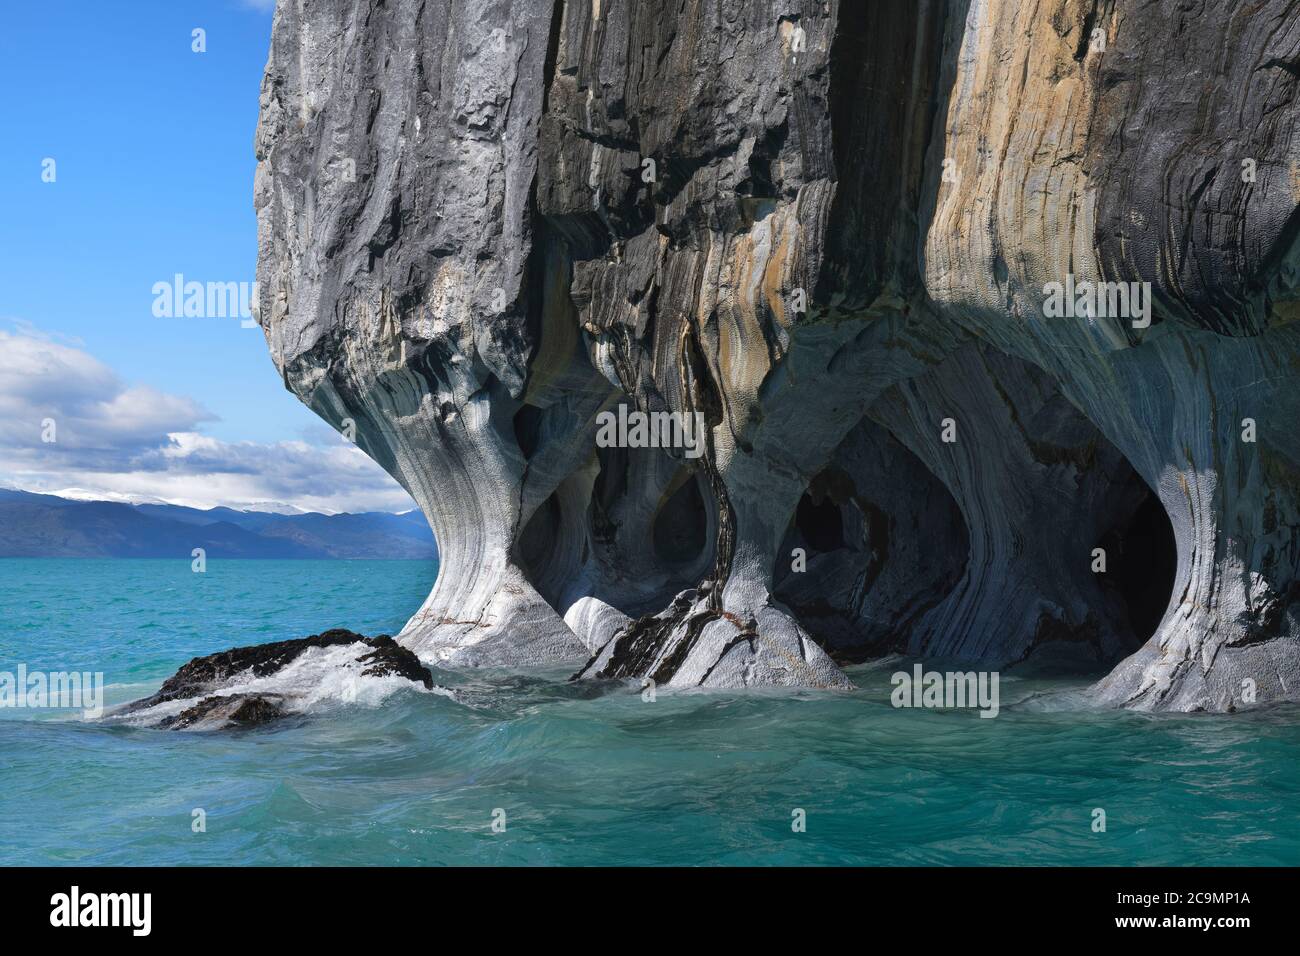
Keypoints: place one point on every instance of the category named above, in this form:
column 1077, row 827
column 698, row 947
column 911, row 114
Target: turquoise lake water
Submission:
column 585, row 774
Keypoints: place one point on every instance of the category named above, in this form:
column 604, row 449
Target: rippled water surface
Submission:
column 585, row 774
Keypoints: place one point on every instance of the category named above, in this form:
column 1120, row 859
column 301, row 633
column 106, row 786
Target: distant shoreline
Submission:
column 47, row 526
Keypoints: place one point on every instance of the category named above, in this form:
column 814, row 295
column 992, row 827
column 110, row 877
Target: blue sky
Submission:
column 153, row 146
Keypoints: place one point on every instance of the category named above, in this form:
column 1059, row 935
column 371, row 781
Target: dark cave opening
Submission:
column 680, row 526
column 611, row 479
column 539, row 543
column 1141, row 564
column 826, row 519
column 821, row 523
column 528, row 429
column 885, row 542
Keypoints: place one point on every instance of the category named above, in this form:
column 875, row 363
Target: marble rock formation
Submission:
column 831, row 231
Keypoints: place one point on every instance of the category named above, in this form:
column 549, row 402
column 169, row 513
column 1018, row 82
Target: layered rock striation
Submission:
column 840, row 236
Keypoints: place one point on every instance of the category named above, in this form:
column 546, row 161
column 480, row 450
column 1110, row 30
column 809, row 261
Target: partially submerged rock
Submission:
column 240, row 710
column 389, row 657
column 220, row 685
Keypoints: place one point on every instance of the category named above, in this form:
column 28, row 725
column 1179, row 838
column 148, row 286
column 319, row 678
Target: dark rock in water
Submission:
column 389, row 657
column 203, row 676
column 244, row 710
column 204, row 673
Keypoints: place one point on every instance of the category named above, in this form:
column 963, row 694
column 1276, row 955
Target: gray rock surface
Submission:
column 829, row 229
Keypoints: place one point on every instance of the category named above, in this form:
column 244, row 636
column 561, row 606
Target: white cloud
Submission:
column 116, row 439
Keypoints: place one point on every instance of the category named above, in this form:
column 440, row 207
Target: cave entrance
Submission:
column 528, row 423
column 679, row 532
column 541, row 548
column 1141, row 563
column 885, row 542
column 632, row 533
column 820, row 523
column 827, row 517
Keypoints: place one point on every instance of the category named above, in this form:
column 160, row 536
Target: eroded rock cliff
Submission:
column 830, row 231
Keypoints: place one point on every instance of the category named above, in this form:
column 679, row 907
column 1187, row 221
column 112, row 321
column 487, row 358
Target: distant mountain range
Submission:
column 47, row 526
